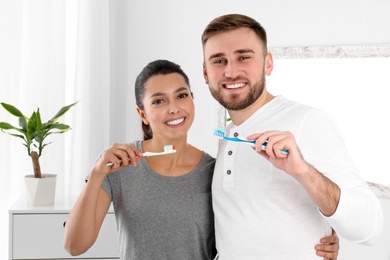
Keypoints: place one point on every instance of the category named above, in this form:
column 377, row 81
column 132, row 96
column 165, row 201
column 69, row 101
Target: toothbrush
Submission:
column 222, row 134
column 168, row 149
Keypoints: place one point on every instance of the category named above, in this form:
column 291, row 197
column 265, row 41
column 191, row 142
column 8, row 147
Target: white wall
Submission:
column 148, row 30
column 348, row 89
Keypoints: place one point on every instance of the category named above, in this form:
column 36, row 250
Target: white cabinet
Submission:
column 37, row 232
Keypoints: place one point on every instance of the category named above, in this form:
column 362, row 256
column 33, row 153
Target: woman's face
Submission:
column 168, row 106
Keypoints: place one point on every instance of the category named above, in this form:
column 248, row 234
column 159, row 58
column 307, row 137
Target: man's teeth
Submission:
column 231, row 86
column 175, row 122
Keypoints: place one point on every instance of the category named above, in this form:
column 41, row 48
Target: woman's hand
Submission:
column 329, row 247
column 117, row 156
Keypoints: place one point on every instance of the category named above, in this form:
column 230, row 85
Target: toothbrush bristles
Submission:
column 219, row 133
column 169, row 147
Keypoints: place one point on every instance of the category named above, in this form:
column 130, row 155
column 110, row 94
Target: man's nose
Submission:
column 231, row 70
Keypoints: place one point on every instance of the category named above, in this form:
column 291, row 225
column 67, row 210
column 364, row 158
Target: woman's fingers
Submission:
column 329, row 247
column 121, row 155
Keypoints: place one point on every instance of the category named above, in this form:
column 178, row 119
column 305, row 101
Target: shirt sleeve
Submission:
column 359, row 216
column 106, row 185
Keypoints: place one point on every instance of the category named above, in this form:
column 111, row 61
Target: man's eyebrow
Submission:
column 240, row 51
column 217, row 55
column 244, row 51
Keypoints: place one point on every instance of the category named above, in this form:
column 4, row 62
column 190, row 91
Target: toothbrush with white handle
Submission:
column 222, row 134
column 168, row 149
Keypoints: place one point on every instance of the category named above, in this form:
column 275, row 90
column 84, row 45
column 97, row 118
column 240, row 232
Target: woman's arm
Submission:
column 86, row 218
column 84, row 221
column 329, row 247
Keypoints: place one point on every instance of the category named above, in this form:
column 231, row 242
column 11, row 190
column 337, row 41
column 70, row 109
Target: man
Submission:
column 277, row 205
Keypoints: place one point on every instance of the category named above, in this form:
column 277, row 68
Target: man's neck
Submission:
column 240, row 116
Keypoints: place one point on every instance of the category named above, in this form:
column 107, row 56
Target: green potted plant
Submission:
column 34, row 132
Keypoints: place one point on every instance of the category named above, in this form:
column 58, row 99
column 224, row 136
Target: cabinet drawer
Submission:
column 38, row 236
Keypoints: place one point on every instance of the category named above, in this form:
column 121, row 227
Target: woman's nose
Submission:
column 173, row 108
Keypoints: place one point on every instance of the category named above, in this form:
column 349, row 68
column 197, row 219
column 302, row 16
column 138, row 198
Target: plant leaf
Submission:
column 59, row 126
column 16, row 135
column 23, row 123
column 6, row 126
column 12, row 110
column 38, row 119
column 62, row 111
column 32, row 123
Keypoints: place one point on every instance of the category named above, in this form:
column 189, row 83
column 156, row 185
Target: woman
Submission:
column 162, row 203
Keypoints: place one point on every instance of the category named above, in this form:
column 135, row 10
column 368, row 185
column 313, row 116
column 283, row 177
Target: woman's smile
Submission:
column 175, row 122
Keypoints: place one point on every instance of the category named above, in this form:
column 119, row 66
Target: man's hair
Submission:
column 230, row 22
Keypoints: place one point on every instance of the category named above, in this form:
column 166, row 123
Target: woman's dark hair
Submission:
column 157, row 67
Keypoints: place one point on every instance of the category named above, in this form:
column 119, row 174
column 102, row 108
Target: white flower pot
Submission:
column 41, row 191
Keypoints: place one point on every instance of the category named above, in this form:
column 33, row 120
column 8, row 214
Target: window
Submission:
column 349, row 82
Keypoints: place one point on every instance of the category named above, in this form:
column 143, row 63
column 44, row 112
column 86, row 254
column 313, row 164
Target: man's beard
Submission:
column 232, row 101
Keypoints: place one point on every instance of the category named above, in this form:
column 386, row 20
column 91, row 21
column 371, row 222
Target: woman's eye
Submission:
column 183, row 95
column 157, row 101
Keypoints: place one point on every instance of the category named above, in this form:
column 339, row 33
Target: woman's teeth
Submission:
column 175, row 122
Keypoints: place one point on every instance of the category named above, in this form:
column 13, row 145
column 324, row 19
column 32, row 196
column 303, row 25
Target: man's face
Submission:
column 235, row 68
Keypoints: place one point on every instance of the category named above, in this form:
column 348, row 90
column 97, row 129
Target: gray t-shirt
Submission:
column 160, row 217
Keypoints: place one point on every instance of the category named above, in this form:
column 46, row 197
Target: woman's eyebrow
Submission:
column 159, row 94
column 181, row 89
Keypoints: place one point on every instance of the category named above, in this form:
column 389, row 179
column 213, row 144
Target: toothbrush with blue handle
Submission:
column 222, row 134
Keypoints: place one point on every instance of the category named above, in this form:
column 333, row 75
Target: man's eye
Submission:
column 245, row 58
column 219, row 61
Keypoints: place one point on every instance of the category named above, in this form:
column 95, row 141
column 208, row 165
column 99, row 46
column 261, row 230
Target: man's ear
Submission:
column 206, row 79
column 268, row 64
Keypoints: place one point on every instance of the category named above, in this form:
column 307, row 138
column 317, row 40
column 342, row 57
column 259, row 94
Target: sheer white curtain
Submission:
column 52, row 54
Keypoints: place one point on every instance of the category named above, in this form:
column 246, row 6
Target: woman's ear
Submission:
column 142, row 114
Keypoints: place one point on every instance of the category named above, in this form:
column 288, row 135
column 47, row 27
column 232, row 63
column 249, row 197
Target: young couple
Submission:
column 265, row 204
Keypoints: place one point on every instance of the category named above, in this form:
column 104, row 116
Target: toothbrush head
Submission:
column 169, row 148
column 220, row 133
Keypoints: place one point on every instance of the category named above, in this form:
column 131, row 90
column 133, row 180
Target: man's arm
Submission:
column 324, row 192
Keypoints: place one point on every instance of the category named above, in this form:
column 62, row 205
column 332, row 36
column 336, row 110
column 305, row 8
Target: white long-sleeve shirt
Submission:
column 262, row 212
